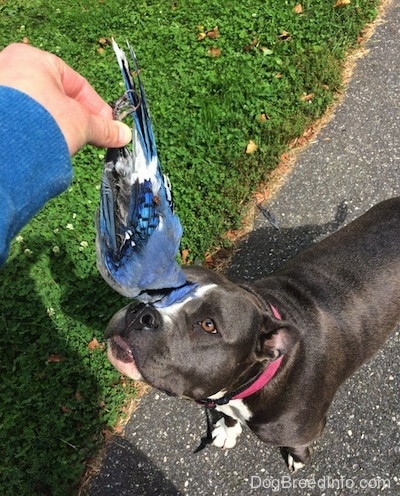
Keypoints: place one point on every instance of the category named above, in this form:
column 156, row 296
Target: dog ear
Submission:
column 276, row 339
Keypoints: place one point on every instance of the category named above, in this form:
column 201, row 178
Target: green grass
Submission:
column 57, row 396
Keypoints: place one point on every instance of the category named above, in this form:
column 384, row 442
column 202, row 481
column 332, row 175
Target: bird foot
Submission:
column 124, row 106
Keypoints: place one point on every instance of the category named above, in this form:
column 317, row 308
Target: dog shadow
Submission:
column 267, row 248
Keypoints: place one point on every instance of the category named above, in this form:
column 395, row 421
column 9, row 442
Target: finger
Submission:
column 78, row 88
column 108, row 133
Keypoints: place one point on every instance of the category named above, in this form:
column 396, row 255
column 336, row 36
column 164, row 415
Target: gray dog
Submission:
column 272, row 354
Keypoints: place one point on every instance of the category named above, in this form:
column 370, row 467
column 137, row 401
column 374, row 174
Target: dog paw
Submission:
column 296, row 457
column 294, row 466
column 225, row 437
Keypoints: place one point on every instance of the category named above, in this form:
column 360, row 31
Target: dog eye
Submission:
column 208, row 326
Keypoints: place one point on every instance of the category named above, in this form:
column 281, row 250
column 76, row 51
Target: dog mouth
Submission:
column 121, row 356
column 120, row 349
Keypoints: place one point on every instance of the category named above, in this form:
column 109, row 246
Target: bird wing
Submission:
column 138, row 232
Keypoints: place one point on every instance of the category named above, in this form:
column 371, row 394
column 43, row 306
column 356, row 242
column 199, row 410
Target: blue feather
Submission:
column 138, row 233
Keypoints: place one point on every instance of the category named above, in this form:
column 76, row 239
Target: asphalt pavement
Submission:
column 353, row 163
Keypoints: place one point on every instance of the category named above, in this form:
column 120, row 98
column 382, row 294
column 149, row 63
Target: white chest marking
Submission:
column 237, row 410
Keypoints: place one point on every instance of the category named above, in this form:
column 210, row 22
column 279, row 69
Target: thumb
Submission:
column 108, row 133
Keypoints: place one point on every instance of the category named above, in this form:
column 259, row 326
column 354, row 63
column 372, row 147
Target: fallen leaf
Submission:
column 78, row 396
column 284, row 157
column 278, row 75
column 285, row 35
column 65, row 409
column 213, row 33
column 298, row 9
column 266, row 51
column 184, row 256
column 208, row 260
column 107, row 434
column 252, row 45
column 54, row 358
column 25, row 40
column 94, row 344
column 118, row 430
column 263, row 117
column 308, row 97
column 342, row 3
column 100, row 50
column 231, row 235
column 201, row 36
column 214, row 51
column 103, row 41
column 260, row 197
column 251, row 147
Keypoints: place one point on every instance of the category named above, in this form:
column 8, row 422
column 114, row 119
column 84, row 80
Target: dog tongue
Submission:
column 121, row 348
column 120, row 355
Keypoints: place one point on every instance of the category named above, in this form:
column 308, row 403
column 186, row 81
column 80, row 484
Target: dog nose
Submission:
column 141, row 317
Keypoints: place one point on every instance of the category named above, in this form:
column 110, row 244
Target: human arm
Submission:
column 48, row 112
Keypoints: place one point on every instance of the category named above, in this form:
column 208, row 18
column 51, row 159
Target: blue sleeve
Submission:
column 34, row 162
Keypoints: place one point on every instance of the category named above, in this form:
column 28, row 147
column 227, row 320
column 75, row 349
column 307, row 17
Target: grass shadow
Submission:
column 50, row 397
column 88, row 299
column 128, row 467
column 57, row 396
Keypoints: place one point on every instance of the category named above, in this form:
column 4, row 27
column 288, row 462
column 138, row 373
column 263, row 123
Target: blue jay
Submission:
column 138, row 233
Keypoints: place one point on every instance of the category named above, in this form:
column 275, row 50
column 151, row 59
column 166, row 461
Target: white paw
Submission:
column 293, row 466
column 225, row 437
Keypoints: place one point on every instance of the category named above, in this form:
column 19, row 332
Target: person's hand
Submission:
column 82, row 115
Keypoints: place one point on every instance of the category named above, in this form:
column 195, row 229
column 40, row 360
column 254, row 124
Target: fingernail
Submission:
column 125, row 133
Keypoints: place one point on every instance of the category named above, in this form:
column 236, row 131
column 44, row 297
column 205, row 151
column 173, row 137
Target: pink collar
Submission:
column 262, row 381
column 268, row 373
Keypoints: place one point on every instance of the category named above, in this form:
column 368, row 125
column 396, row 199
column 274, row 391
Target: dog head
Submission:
column 219, row 334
